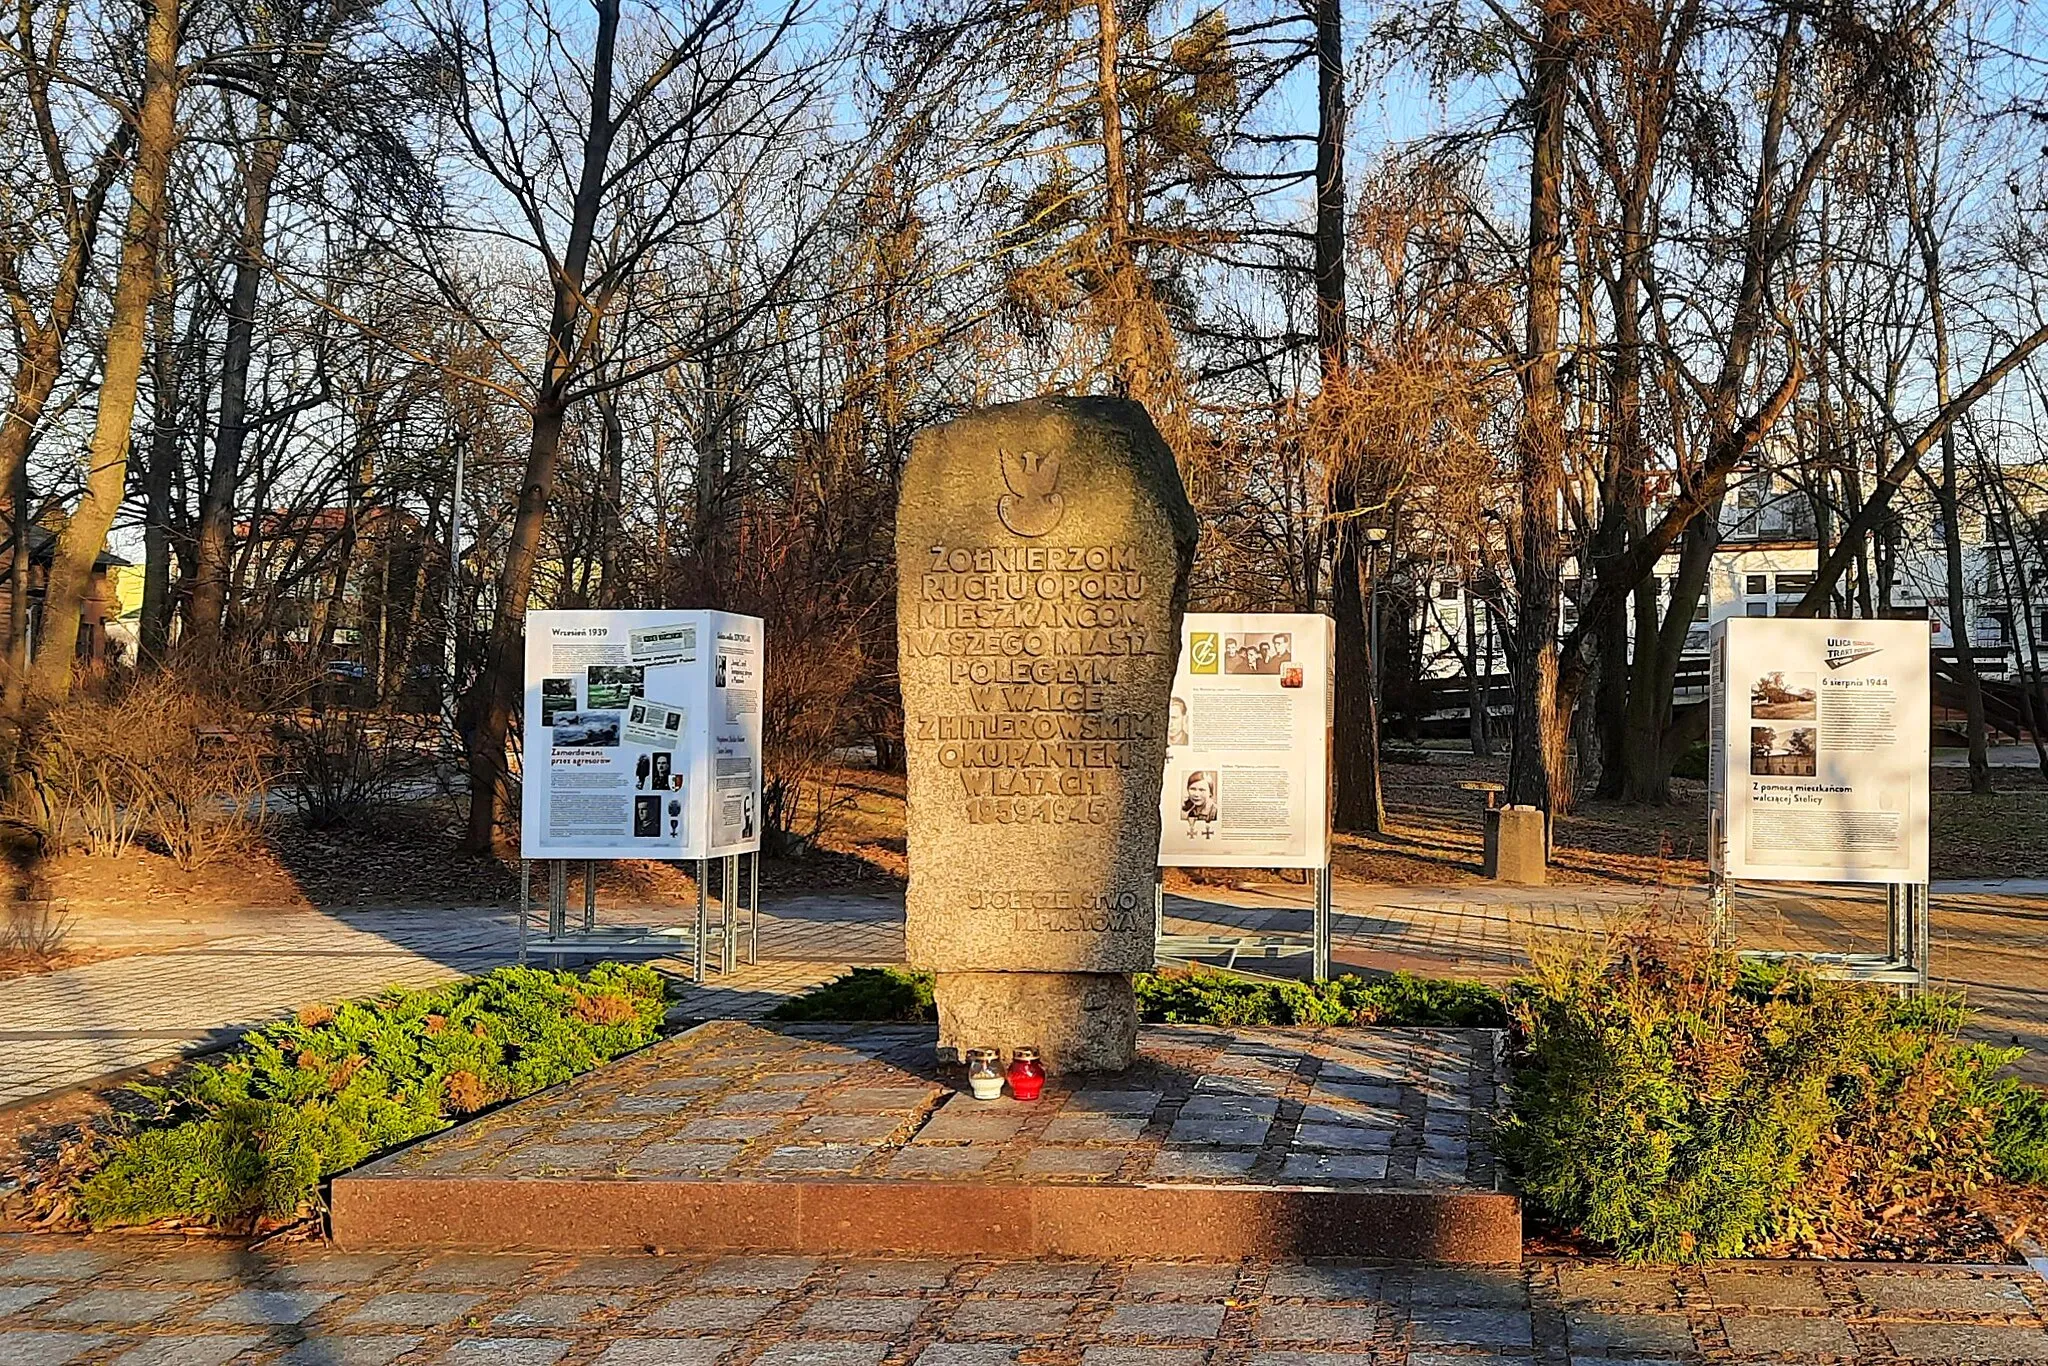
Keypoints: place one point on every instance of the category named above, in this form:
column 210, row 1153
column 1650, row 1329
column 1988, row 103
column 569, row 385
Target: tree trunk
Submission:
column 1359, row 805
column 84, row 534
column 40, row 359
column 1653, row 746
column 1130, row 358
column 611, row 497
column 154, row 635
column 20, row 572
column 2026, row 640
column 498, row 689
column 1538, row 773
column 1626, row 626
column 1959, row 619
column 707, row 525
column 1920, row 215
column 1479, row 734
column 497, row 693
column 1332, row 330
column 206, row 598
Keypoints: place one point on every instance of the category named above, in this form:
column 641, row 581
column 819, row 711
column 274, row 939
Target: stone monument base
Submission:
column 1078, row 1021
column 850, row 1139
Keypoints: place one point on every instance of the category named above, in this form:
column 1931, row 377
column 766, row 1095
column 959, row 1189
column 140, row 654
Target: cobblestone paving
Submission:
column 139, row 1303
column 65, row 1028
column 1342, row 1108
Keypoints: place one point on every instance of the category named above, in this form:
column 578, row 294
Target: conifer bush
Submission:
column 1205, row 996
column 1191, row 996
column 1676, row 1104
column 902, row 995
column 295, row 1103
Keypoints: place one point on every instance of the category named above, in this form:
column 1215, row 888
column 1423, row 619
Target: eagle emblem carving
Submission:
column 1034, row 504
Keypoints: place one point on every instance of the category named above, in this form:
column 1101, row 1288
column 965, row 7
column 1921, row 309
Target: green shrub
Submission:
column 1202, row 996
column 1190, row 996
column 2020, row 1139
column 296, row 1102
column 899, row 994
column 1677, row 1104
column 1206, row 996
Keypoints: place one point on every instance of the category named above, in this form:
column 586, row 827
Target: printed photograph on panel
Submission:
column 609, row 685
column 646, row 818
column 1782, row 751
column 1782, row 696
column 557, row 695
column 587, row 730
column 1177, row 723
column 1198, row 805
column 1258, row 653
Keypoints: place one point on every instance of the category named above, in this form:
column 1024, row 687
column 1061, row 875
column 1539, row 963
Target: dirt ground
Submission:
column 408, row 857
column 1435, row 829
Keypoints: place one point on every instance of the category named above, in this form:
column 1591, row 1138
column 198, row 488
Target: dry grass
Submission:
column 35, row 937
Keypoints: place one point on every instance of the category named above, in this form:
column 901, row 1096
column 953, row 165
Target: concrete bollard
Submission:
column 1515, row 851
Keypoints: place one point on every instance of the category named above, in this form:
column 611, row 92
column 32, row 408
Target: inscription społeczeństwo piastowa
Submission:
column 1042, row 553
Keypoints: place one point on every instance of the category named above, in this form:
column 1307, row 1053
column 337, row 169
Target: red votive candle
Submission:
column 1027, row 1074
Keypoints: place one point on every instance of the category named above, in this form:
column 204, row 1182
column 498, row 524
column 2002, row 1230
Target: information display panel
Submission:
column 1248, row 743
column 643, row 735
column 1818, row 750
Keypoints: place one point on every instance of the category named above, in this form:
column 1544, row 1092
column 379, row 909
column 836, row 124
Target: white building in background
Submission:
column 1767, row 558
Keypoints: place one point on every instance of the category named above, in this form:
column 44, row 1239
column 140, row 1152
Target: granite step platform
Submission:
column 855, row 1138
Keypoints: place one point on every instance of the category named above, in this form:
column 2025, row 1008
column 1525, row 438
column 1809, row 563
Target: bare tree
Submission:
column 154, row 117
column 654, row 109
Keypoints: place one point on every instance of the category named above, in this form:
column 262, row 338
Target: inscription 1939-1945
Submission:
column 1034, row 639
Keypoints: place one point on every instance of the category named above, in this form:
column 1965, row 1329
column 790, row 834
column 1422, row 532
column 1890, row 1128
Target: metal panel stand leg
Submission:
column 1897, row 939
column 1158, row 909
column 589, row 896
column 525, row 894
column 1719, row 935
column 753, row 906
column 1319, row 960
column 697, row 973
column 558, row 905
column 1922, row 934
column 729, row 897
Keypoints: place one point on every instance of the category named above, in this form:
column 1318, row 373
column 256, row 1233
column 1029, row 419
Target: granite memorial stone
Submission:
column 1042, row 553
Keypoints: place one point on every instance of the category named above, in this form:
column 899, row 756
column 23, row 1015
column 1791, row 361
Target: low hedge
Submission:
column 1669, row 1103
column 883, row 994
column 1205, row 996
column 1676, row 1104
column 1190, row 996
column 294, row 1103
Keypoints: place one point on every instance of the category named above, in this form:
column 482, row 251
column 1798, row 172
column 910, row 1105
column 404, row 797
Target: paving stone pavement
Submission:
column 736, row 1101
column 62, row 1029
column 65, row 1028
column 145, row 1302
